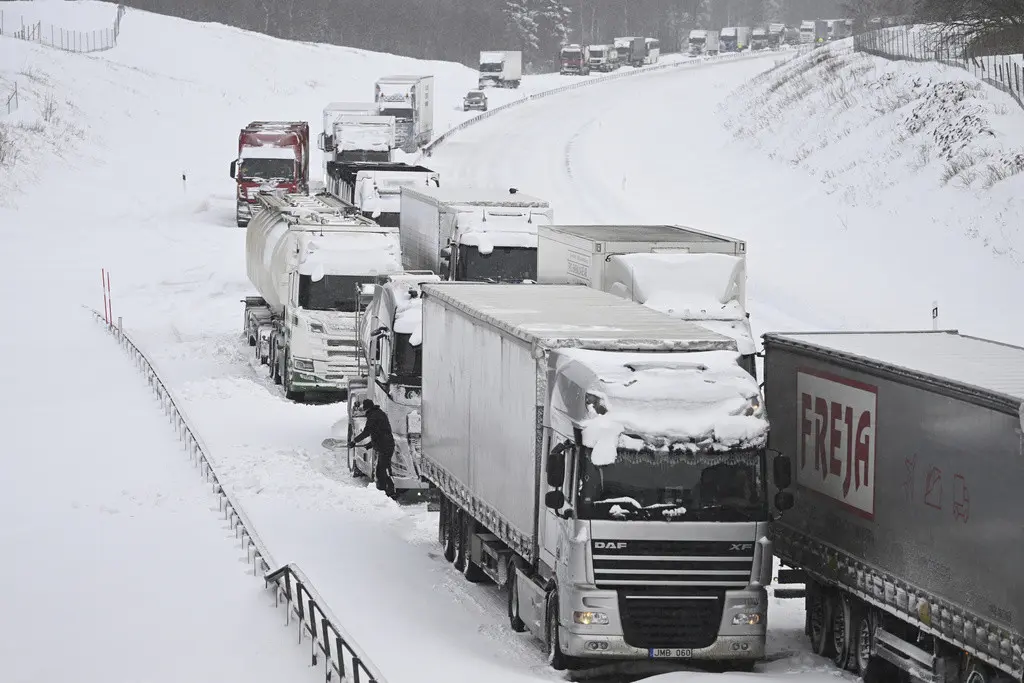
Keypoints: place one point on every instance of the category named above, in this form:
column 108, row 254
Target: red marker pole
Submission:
column 110, row 302
column 103, row 283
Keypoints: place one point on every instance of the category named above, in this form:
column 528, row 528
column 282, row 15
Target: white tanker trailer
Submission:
column 310, row 259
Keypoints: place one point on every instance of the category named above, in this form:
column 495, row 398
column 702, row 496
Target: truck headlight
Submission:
column 302, row 364
column 588, row 618
column 316, row 328
column 747, row 619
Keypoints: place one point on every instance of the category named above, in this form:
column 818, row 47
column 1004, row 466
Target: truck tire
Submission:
column 556, row 659
column 290, row 393
column 275, row 363
column 451, row 552
column 844, row 639
column 819, row 619
column 445, row 529
column 865, row 620
column 979, row 673
column 469, row 569
column 512, row 590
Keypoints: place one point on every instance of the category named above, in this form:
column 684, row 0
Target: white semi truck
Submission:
column 605, row 465
column 376, row 188
column 686, row 273
column 478, row 234
column 410, row 100
column 309, row 258
column 704, row 42
column 500, row 69
column 390, row 343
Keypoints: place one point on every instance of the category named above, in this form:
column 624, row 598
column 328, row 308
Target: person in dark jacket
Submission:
column 378, row 428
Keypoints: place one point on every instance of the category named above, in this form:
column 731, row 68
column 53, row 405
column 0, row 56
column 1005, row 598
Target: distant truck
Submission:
column 477, row 234
column 820, row 32
column 375, row 187
column 410, row 100
column 271, row 154
column 704, row 42
column 686, row 273
column 309, row 258
column 604, row 465
column 574, row 59
column 777, row 35
column 839, row 29
column 500, row 69
column 391, row 344
column 653, row 50
column 906, row 519
column 759, row 38
column 807, row 32
column 632, row 50
column 735, row 38
column 603, row 58
column 355, row 137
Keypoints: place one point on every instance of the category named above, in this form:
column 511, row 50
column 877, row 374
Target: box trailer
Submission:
column 908, row 523
column 603, row 463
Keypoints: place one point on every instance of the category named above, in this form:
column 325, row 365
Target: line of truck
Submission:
column 584, row 403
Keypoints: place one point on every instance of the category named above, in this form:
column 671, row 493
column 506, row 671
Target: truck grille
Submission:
column 671, row 593
column 679, row 565
column 658, row 621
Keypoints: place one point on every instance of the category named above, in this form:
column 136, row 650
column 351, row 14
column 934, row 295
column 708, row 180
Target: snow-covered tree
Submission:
column 773, row 10
column 521, row 19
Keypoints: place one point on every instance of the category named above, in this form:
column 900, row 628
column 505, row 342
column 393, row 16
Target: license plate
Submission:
column 671, row 653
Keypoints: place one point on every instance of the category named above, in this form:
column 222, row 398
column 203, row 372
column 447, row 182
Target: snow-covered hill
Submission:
column 925, row 139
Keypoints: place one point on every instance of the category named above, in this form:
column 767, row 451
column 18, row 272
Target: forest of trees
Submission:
column 457, row 30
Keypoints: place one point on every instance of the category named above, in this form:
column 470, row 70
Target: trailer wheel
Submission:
column 275, row 363
column 978, row 673
column 451, row 551
column 471, row 570
column 448, row 542
column 865, row 620
column 515, row 622
column 819, row 619
column 844, row 635
column 556, row 660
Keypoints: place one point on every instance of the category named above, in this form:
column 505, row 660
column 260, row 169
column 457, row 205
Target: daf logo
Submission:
column 740, row 546
column 609, row 545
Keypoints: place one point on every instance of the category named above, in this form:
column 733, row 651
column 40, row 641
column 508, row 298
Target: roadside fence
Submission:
column 341, row 656
column 65, row 39
column 736, row 56
column 932, row 43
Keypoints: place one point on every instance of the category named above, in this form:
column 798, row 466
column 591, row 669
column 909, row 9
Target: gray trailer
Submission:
column 908, row 524
column 579, row 442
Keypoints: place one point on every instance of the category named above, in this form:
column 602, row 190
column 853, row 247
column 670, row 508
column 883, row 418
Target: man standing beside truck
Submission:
column 378, row 428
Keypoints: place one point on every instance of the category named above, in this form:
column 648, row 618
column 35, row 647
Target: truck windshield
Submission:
column 709, row 487
column 267, row 169
column 503, row 264
column 407, row 361
column 331, row 292
column 696, row 41
column 397, row 113
column 490, row 68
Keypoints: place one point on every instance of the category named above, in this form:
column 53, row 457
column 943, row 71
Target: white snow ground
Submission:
column 117, row 565
column 99, row 185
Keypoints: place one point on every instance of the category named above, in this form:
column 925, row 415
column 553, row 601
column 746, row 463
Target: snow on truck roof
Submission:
column 554, row 316
column 639, row 233
column 480, row 196
column 947, row 355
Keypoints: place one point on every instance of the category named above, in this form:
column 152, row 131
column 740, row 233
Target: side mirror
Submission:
column 234, row 167
column 784, row 501
column 782, row 469
column 556, row 466
column 554, row 500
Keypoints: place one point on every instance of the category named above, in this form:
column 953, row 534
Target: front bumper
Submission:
column 721, row 640
column 324, row 376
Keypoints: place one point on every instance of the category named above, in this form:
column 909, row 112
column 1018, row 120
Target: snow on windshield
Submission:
column 490, row 230
column 267, row 152
column 376, row 137
column 678, row 402
column 689, row 286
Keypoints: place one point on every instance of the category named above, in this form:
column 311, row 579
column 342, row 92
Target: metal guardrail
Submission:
column 738, row 56
column 342, row 657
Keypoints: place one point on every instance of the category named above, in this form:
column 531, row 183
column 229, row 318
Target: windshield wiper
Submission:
column 731, row 508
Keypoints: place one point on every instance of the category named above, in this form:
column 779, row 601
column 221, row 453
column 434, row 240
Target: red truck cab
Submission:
column 574, row 59
column 271, row 154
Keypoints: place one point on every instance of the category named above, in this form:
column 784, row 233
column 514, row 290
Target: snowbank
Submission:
column 875, row 132
column 679, row 403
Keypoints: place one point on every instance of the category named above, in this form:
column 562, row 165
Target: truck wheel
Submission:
column 514, row 621
column 819, row 620
column 843, row 632
column 864, row 635
column 448, row 511
column 458, row 534
column 275, row 363
column 290, row 393
column 556, row 659
column 978, row 673
column 471, row 570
